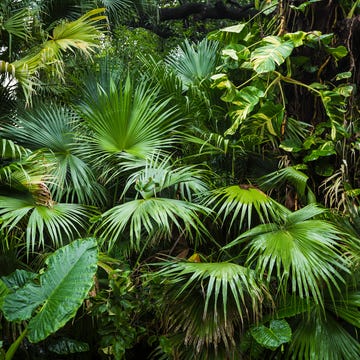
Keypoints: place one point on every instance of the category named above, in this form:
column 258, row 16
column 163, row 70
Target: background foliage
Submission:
column 179, row 187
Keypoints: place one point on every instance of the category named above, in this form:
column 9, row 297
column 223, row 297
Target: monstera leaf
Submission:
column 243, row 103
column 274, row 52
column 58, row 292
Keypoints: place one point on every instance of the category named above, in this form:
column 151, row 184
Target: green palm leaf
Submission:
column 292, row 175
column 81, row 35
column 12, row 150
column 239, row 202
column 126, row 121
column 210, row 302
column 347, row 304
column 59, row 292
column 18, row 24
column 151, row 215
column 26, row 172
column 219, row 279
column 193, row 63
column 52, row 127
column 302, row 251
column 160, row 175
column 320, row 338
column 56, row 222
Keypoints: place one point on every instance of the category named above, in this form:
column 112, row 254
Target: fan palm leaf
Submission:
column 11, row 150
column 53, row 222
column 219, row 298
column 160, row 175
column 126, row 121
column 151, row 215
column 292, row 175
column 18, row 24
column 51, row 127
column 193, row 63
column 22, row 170
column 81, row 35
column 304, row 252
column 322, row 338
column 160, row 73
column 240, row 202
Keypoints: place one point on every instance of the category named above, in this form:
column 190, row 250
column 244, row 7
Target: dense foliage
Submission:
column 183, row 189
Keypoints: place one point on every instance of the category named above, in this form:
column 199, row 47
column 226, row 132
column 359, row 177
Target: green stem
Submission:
column 275, row 81
column 15, row 345
column 296, row 82
column 352, row 11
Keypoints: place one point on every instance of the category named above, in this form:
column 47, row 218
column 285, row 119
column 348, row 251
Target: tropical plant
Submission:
column 55, row 295
column 81, row 35
column 125, row 121
column 221, row 179
column 51, row 129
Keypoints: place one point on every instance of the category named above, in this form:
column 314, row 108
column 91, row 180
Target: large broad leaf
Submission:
column 270, row 117
column 334, row 102
column 272, row 337
column 244, row 102
column 59, row 293
column 265, row 58
column 3, row 292
column 18, row 279
column 65, row 346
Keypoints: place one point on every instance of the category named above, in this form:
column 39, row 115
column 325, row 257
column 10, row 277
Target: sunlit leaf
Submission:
column 266, row 57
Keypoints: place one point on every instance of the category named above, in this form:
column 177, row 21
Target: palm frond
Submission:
column 219, row 299
column 51, row 127
column 151, row 215
column 117, row 10
column 11, row 150
column 289, row 174
column 194, row 63
column 81, row 35
column 26, row 172
column 239, row 202
column 210, row 143
column 296, row 130
column 126, row 120
column 55, row 223
column 346, row 306
column 19, row 23
column 159, row 174
column 167, row 80
column 302, row 252
column 322, row 338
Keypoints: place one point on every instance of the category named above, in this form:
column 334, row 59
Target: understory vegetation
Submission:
column 179, row 188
